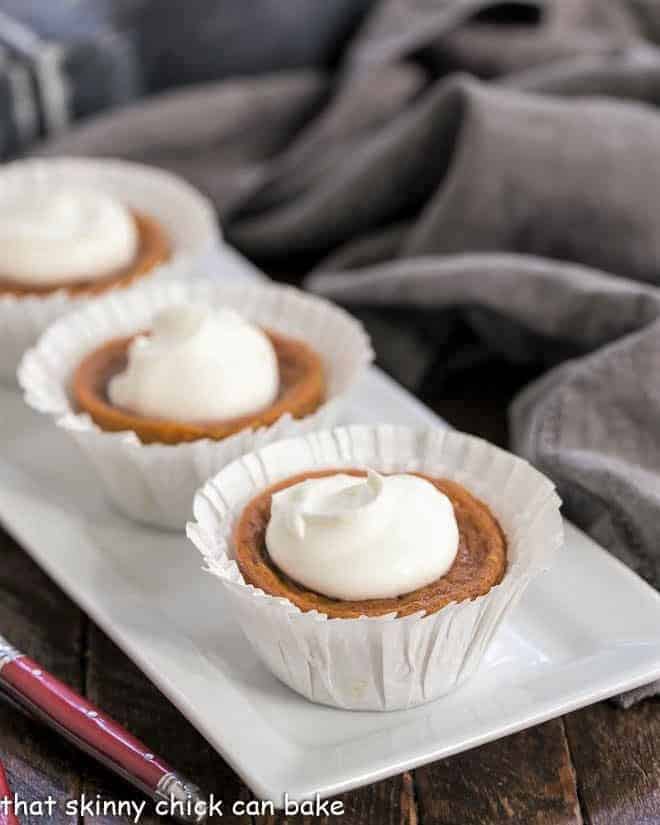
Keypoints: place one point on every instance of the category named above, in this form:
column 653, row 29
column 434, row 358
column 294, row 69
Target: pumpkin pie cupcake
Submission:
column 350, row 543
column 163, row 385
column 71, row 229
column 370, row 566
column 198, row 372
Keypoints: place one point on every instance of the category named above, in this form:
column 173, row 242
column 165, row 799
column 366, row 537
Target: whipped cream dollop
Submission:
column 373, row 537
column 198, row 364
column 64, row 235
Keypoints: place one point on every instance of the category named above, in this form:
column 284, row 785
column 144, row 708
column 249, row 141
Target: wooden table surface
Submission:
column 600, row 765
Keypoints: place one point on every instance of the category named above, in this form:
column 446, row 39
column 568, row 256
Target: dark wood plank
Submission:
column 476, row 400
column 115, row 684
column 37, row 618
column 616, row 754
column 525, row 778
column 390, row 802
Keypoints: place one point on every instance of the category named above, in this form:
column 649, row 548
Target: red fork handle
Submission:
column 7, row 815
column 56, row 704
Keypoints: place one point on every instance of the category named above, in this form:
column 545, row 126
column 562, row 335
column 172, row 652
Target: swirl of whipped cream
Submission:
column 353, row 538
column 198, row 364
column 66, row 235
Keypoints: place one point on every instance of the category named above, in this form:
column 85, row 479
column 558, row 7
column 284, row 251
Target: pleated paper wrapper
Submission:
column 155, row 483
column 184, row 213
column 381, row 663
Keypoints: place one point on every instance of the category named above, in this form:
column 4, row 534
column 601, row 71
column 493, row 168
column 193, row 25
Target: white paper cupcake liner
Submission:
column 185, row 214
column 155, row 483
column 382, row 663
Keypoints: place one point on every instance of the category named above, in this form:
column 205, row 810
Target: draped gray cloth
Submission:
column 499, row 159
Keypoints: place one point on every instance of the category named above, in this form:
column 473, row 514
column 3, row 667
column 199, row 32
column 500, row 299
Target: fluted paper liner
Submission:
column 185, row 214
column 381, row 663
column 155, row 483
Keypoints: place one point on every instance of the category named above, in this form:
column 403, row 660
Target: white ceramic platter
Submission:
column 563, row 647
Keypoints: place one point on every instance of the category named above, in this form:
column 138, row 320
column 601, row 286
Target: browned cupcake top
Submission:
column 480, row 562
column 154, row 248
column 301, row 392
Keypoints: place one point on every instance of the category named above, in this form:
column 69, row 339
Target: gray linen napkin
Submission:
column 511, row 172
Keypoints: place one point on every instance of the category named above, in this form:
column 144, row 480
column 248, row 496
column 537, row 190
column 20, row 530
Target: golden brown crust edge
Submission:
column 302, row 392
column 154, row 249
column 480, row 562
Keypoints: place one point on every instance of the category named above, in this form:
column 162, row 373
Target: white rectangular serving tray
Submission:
column 562, row 648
